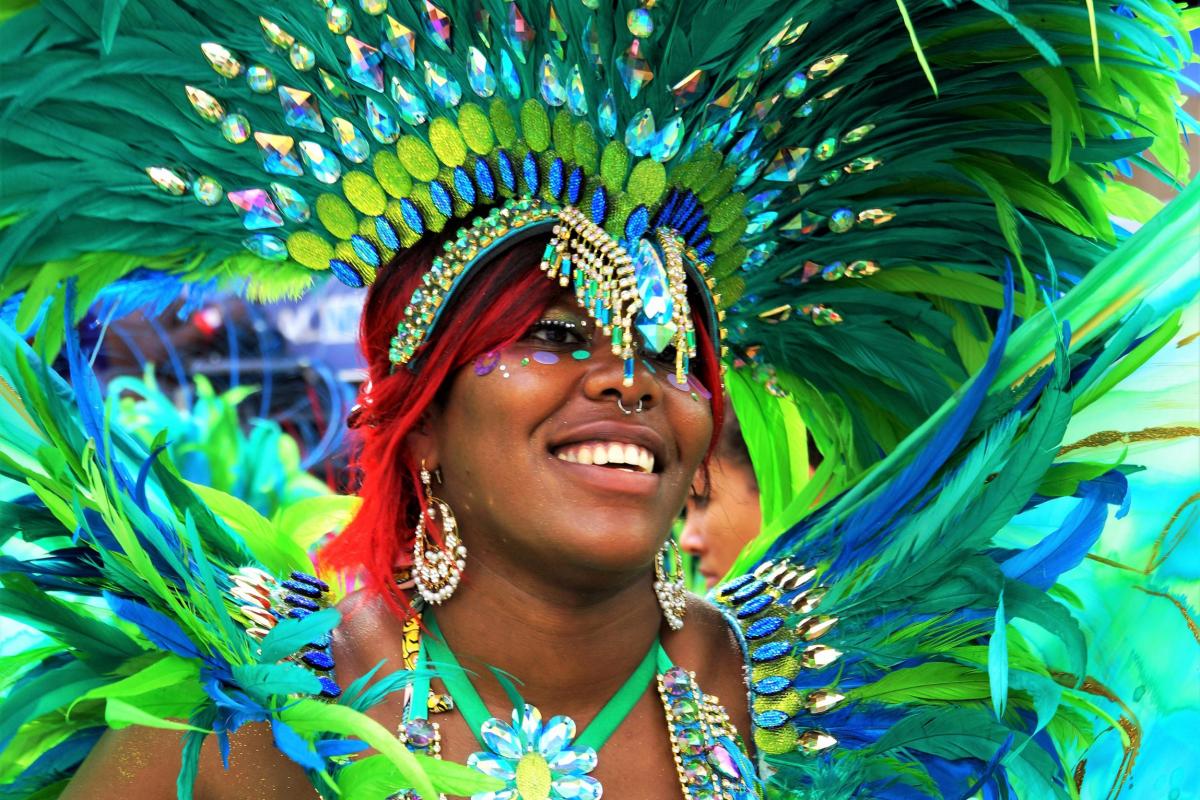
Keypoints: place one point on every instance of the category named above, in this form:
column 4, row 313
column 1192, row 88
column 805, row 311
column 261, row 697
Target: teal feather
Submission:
column 998, row 676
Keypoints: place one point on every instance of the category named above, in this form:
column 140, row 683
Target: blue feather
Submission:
column 160, row 629
column 292, row 745
column 1063, row 549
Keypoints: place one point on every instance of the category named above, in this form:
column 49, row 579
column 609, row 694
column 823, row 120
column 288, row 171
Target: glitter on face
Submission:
column 486, row 363
column 581, row 355
column 545, row 357
column 524, row 362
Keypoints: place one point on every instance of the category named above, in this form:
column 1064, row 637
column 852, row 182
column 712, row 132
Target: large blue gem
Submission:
column 653, row 321
column 463, row 186
column 575, row 185
column 483, row 178
column 763, row 627
column 441, row 198
column 504, row 164
column 554, row 180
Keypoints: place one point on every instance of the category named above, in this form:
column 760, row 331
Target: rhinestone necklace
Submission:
column 539, row 759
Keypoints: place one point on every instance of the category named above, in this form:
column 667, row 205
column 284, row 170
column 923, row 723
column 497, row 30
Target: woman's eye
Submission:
column 556, row 332
column 667, row 356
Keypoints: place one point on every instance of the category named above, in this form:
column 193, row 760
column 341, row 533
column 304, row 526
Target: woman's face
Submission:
column 545, row 472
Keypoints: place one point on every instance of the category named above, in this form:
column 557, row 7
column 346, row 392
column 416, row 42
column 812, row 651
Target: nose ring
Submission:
column 627, row 411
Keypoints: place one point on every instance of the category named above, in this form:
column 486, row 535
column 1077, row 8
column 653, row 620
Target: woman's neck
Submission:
column 568, row 651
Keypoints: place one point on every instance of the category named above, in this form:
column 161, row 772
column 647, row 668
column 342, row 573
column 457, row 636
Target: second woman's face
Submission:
column 552, row 465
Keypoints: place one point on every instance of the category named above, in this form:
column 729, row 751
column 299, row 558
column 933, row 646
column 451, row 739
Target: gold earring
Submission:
column 668, row 584
column 437, row 571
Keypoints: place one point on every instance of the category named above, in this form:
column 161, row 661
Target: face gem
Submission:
column 581, row 355
column 278, row 155
column 654, row 320
column 545, row 357
column 486, row 363
column 256, row 208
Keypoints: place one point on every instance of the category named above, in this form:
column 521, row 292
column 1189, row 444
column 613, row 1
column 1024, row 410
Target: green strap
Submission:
column 472, row 707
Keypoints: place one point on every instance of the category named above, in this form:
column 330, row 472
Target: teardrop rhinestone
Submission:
column 796, row 84
column 608, row 115
column 260, row 79
column 222, row 60
column 276, row 35
column 366, row 64
column 266, row 246
column 300, row 110
column 373, row 7
column 399, row 42
column 667, row 141
column 640, row 23
column 381, row 123
column 786, row 165
column 857, row 134
column 301, row 57
column 501, row 739
column 553, row 92
column 256, row 209
column 291, row 203
column 337, row 19
column 825, row 149
column 441, row 87
column 558, row 34
column 277, row 154
column 412, row 108
column 207, row 190
column 167, row 180
column 691, row 87
column 437, row 22
column 235, row 128
column 322, row 163
column 634, row 70
column 354, row 145
column 480, row 74
column 510, row 80
column 519, row 32
column 576, row 94
column 640, row 133
column 207, row 106
column 336, row 90
column 826, row 66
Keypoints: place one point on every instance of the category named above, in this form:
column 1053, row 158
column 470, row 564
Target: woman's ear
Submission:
column 422, row 439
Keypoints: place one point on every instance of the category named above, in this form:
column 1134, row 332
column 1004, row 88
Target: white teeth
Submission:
column 615, row 454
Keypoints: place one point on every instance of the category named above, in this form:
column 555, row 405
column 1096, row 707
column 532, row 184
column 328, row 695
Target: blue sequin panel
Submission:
column 701, row 229
column 663, row 218
column 770, row 651
column 364, row 249
column 322, row 642
column 298, row 613
column 749, row 590
column 346, row 273
column 484, row 180
column 575, row 185
column 533, row 178
column 463, row 186
column 329, row 687
column 554, row 179
column 770, row 719
column 772, row 684
column 412, row 216
column 763, row 627
column 386, row 233
column 754, row 605
column 703, row 245
column 732, row 586
column 318, row 659
column 299, row 587
column 504, row 164
column 312, row 580
column 300, row 602
column 599, row 205
column 442, row 200
column 637, row 224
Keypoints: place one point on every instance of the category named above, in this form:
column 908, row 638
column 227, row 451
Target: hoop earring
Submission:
column 437, row 571
column 668, row 584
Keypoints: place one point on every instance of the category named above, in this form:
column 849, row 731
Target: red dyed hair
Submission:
column 494, row 311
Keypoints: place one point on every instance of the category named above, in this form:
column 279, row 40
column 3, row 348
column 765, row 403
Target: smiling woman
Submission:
column 570, row 218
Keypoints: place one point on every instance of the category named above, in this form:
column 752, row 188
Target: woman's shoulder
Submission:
column 710, row 646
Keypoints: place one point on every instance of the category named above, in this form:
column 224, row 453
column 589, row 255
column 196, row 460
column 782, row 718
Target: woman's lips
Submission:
column 611, row 454
column 609, row 479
